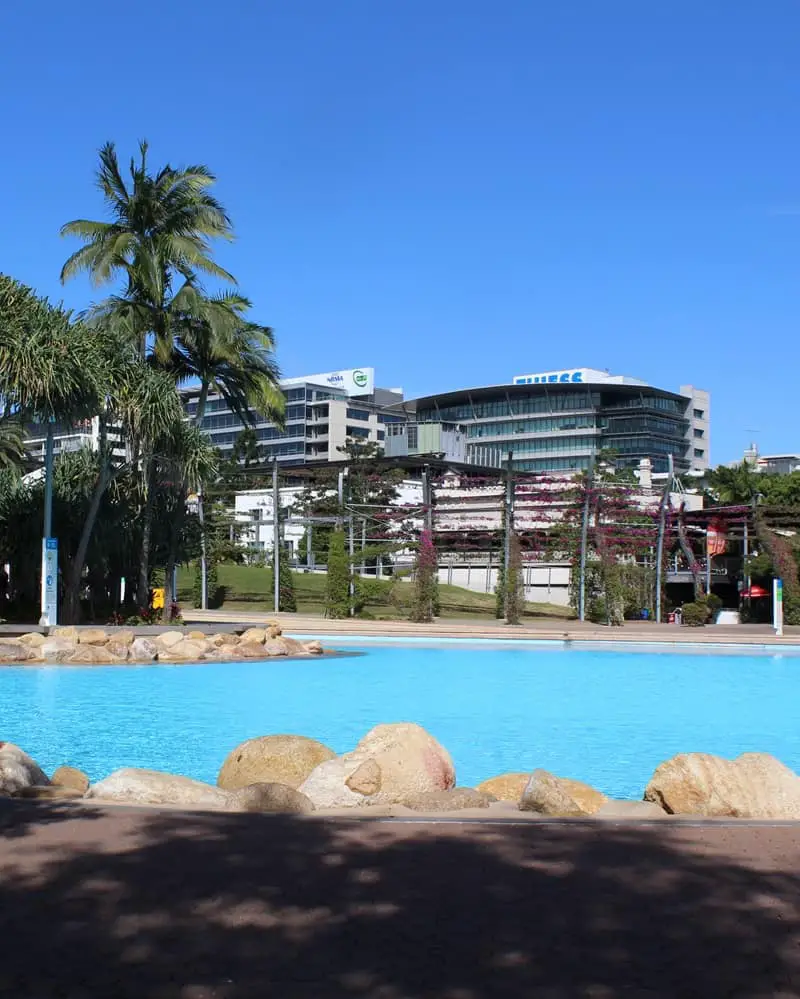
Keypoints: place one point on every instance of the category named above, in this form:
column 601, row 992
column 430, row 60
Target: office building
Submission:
column 556, row 421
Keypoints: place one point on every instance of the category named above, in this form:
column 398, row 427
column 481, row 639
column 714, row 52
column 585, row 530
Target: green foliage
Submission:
column 214, row 592
column 695, row 614
column 597, row 610
column 337, row 598
column 513, row 588
column 714, row 604
column 286, row 597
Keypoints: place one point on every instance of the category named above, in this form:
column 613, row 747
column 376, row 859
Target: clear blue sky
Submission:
column 453, row 191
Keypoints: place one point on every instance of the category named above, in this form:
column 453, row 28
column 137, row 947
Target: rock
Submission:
column 558, row 796
column 55, row 650
column 616, row 809
column 409, row 759
column 223, row 638
column 314, row 647
column 753, row 786
column 271, row 798
column 123, row 637
column 272, row 759
column 273, row 629
column 66, row 634
column 152, row 787
column 169, row 638
column 91, row 655
column 506, row 787
column 14, row 652
column 143, row 650
column 257, row 635
column 92, row 636
column 249, row 650
column 33, row 639
column 365, row 779
column 183, row 651
column 72, row 778
column 18, row 770
column 275, row 647
column 117, row 651
column 196, row 636
column 293, row 646
column 448, row 801
column 51, row 792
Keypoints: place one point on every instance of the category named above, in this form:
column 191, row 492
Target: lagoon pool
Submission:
column 607, row 715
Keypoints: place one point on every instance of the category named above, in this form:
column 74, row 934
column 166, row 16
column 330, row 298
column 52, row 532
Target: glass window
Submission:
column 698, row 432
column 362, row 432
column 357, row 414
column 699, row 414
column 699, row 452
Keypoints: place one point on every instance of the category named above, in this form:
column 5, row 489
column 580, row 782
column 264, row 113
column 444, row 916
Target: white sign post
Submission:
column 777, row 606
column 50, row 580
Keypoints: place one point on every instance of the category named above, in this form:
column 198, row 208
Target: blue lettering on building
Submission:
column 572, row 377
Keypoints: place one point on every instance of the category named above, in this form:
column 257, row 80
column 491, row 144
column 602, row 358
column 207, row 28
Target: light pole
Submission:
column 49, row 600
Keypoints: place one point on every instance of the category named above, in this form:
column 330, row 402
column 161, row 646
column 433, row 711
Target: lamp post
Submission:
column 49, row 591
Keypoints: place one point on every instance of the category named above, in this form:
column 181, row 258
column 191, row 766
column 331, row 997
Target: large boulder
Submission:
column 196, row 636
column 33, row 639
column 256, row 635
column 270, row 798
column 55, row 650
column 125, row 636
column 183, row 651
column 390, row 764
column 167, row 639
column 117, row 651
column 273, row 629
column 92, row 636
column 223, row 638
column 272, row 759
column 72, row 778
column 247, row 650
column 67, row 633
column 506, row 787
column 92, row 655
column 275, row 647
column 314, row 647
column 560, row 797
column 14, row 652
column 448, row 801
column 143, row 650
column 152, row 787
column 18, row 770
column 753, row 786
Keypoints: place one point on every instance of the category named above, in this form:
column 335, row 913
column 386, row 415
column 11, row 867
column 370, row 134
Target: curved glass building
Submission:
column 556, row 420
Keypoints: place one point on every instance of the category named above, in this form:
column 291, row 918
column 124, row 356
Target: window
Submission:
column 357, row 414
column 361, row 432
column 381, row 435
column 699, row 452
column 699, row 414
column 384, row 418
column 698, row 432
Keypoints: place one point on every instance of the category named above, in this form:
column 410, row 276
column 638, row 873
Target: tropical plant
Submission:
column 513, row 588
column 337, row 590
column 425, row 580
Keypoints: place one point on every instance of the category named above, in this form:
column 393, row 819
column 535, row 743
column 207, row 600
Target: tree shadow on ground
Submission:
column 170, row 905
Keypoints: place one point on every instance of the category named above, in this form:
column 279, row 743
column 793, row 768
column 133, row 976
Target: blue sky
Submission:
column 451, row 190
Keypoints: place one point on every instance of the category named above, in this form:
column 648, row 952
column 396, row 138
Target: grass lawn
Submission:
column 249, row 588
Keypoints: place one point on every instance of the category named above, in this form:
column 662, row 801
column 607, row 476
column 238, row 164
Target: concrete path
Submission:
column 135, row 904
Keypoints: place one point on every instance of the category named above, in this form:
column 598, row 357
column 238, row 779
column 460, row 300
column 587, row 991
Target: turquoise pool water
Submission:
column 607, row 716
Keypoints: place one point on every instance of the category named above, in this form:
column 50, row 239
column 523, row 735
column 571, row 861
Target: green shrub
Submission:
column 337, row 590
column 597, row 611
column 695, row 615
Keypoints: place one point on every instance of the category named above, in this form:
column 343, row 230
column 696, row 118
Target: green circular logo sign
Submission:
column 360, row 378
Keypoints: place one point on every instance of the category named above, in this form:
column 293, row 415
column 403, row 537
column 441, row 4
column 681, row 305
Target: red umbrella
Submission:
column 755, row 591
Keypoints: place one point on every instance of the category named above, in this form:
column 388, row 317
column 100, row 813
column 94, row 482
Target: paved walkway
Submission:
column 546, row 628
column 137, row 904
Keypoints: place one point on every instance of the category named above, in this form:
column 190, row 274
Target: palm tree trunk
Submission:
column 143, row 593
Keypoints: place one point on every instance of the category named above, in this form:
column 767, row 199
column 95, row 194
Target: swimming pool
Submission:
column 608, row 715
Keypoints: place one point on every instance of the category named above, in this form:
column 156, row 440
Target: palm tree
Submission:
column 158, row 240
column 12, row 449
column 738, row 484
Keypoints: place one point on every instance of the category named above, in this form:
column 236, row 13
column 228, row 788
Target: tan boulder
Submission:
column 143, row 650
column 66, row 634
column 257, row 635
column 152, row 787
column 223, row 638
column 183, row 651
column 506, row 787
column 275, row 647
column 272, row 759
column 293, row 646
column 14, row 652
column 273, row 629
column 270, row 798
column 196, row 636
column 123, row 637
column 448, row 801
column 169, row 638
column 365, row 779
column 314, row 647
column 18, row 770
column 72, row 778
column 547, row 794
column 33, row 639
column 410, row 761
column 92, row 636
column 55, row 650
column 753, row 786
column 248, row 650
column 92, row 655
column 117, row 651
